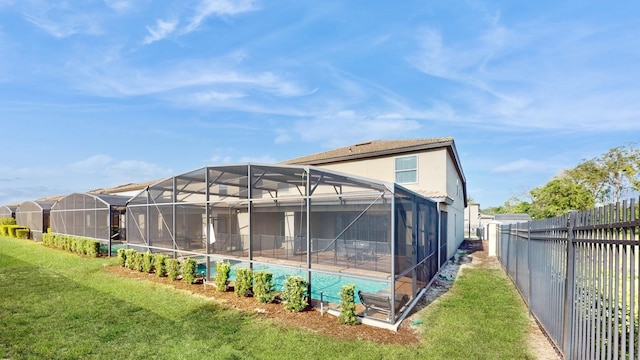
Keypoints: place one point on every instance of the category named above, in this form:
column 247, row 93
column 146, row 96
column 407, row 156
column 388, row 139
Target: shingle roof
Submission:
column 107, row 191
column 371, row 149
column 123, row 188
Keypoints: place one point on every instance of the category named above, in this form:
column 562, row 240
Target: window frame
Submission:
column 396, row 171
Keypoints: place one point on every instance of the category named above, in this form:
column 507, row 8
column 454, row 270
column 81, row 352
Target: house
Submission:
column 430, row 167
column 331, row 227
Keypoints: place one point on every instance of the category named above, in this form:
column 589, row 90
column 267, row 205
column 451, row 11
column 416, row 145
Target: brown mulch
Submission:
column 310, row 319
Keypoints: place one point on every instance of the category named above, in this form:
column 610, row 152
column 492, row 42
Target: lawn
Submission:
column 55, row 304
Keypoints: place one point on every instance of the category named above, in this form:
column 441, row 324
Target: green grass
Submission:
column 54, row 304
column 481, row 317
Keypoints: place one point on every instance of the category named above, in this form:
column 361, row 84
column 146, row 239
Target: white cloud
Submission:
column 55, row 29
column 61, row 19
column 215, row 96
column 536, row 75
column 265, row 159
column 347, row 127
column 523, row 165
column 113, row 172
column 193, row 82
column 160, row 31
column 208, row 8
column 119, row 5
column 221, row 159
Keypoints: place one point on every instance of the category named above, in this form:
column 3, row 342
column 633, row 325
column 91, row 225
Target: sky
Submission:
column 98, row 93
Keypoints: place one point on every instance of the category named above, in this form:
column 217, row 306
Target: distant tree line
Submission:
column 602, row 180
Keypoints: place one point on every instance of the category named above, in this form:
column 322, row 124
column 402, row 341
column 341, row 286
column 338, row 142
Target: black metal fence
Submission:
column 579, row 275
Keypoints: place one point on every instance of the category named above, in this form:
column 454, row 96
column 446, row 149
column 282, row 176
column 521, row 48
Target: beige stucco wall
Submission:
column 432, row 166
column 436, row 174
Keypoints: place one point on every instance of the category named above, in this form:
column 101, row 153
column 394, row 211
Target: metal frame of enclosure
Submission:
column 298, row 219
column 35, row 216
column 96, row 216
column 8, row 211
column 580, row 277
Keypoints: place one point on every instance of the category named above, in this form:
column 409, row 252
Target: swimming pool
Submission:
column 327, row 284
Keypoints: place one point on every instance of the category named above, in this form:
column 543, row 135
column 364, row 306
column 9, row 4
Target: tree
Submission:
column 557, row 197
column 609, row 177
column 512, row 206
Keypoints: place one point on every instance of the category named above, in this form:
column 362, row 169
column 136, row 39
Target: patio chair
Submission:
column 381, row 302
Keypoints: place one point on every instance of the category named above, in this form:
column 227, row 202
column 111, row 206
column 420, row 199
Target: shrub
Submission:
column 66, row 243
column 294, row 294
column 92, row 248
column 138, row 261
column 78, row 245
column 347, row 305
column 160, row 264
column 12, row 230
column 264, row 288
column 189, row 270
column 147, row 262
column 223, row 268
column 46, row 239
column 244, row 282
column 122, row 257
column 7, row 221
column 128, row 256
column 22, row 233
column 173, row 268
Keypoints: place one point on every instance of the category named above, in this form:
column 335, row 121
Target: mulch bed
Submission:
column 310, row 319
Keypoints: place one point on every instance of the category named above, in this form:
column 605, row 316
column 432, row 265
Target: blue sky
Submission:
column 98, row 93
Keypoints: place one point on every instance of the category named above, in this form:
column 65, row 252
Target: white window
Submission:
column 407, row 169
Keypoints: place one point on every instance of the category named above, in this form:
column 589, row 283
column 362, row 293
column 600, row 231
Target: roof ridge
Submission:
column 367, row 147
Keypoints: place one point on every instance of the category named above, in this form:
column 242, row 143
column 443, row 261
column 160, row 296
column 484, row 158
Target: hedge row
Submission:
column 260, row 284
column 7, row 221
column 158, row 263
column 71, row 243
column 15, row 231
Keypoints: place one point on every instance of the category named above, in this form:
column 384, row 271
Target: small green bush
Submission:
column 12, row 229
column 47, row 238
column 223, row 268
column 121, row 256
column 22, row 233
column 160, row 265
column 138, row 261
column 294, row 294
column 92, row 248
column 347, row 305
column 129, row 258
column 147, row 262
column 7, row 221
column 173, row 268
column 189, row 270
column 263, row 289
column 244, row 282
column 79, row 245
column 66, row 243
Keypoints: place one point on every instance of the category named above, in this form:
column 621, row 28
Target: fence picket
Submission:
column 579, row 275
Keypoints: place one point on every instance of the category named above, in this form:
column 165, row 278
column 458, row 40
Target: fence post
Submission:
column 530, row 290
column 569, row 287
column 508, row 249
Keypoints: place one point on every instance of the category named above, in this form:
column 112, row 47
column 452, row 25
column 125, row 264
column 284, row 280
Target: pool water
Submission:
column 327, row 284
